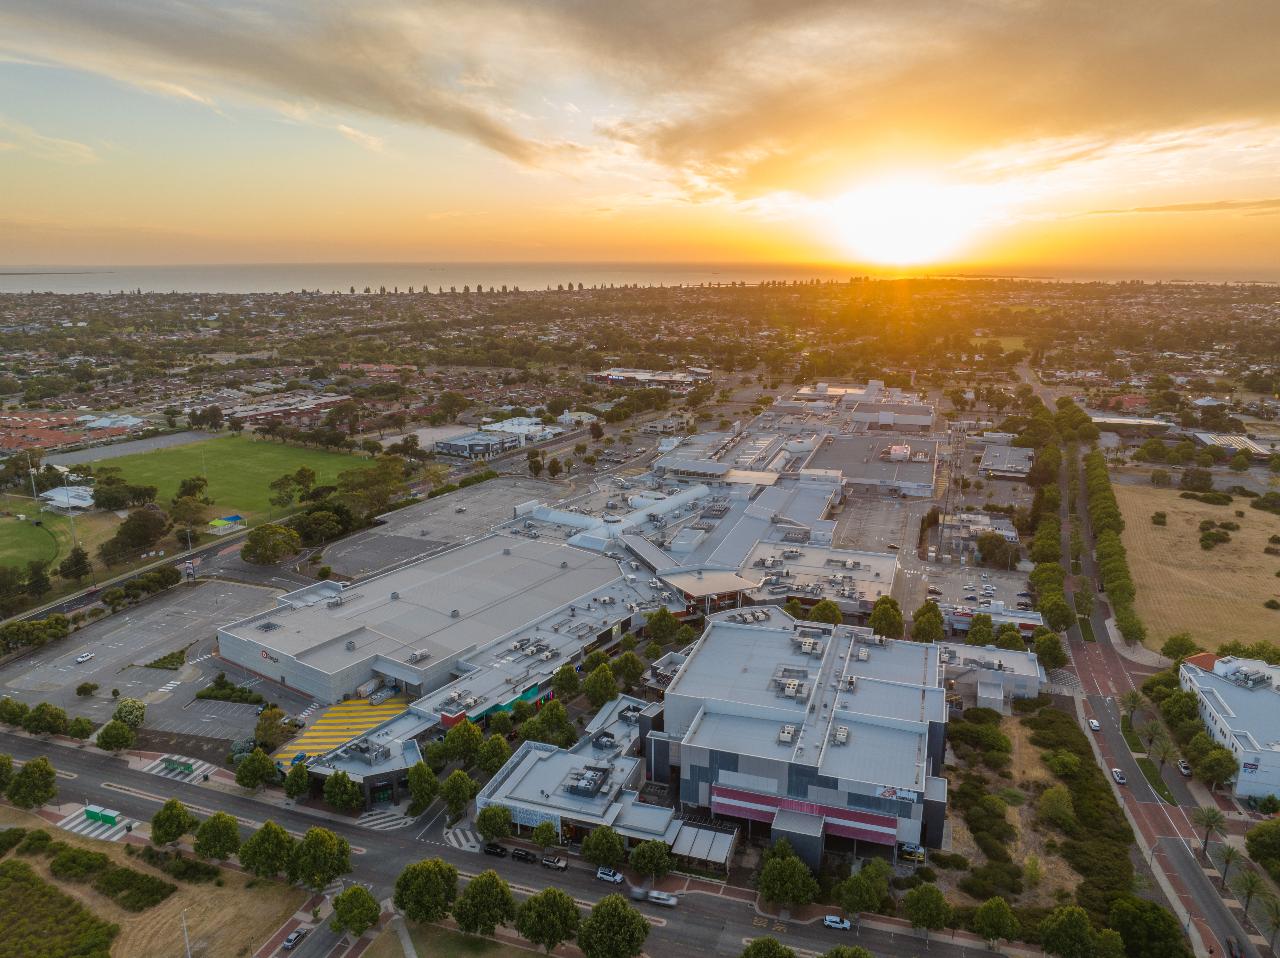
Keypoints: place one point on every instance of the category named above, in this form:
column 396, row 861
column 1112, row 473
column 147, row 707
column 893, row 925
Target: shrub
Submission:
column 38, row 919
column 9, row 839
column 224, row 690
column 35, row 842
column 1272, row 603
column 176, row 866
column 77, row 864
column 952, row 860
column 132, row 890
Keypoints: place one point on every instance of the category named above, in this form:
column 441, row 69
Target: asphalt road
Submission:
column 702, row 924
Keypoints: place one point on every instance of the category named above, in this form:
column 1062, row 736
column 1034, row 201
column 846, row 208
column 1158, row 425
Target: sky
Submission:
column 1029, row 137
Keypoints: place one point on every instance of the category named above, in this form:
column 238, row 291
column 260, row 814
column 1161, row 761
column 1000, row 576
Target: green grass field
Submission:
column 21, row 541
column 239, row 471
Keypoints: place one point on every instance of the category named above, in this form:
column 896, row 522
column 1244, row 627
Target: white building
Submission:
column 527, row 427
column 1239, row 701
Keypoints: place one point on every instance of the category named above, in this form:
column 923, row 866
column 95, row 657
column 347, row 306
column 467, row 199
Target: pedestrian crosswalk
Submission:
column 165, row 767
column 170, row 686
column 308, row 710
column 339, row 885
column 463, row 839
column 385, row 820
column 77, row 824
column 201, row 658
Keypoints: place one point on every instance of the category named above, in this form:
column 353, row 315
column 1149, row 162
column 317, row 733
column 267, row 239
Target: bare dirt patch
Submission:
column 229, row 921
column 1216, row 595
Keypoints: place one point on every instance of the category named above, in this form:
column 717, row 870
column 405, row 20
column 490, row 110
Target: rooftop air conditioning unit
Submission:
column 842, row 734
column 786, row 734
column 564, row 564
column 455, row 614
column 863, row 653
column 851, row 682
column 394, row 596
column 351, row 645
column 455, row 695
column 791, row 688
column 506, row 552
column 470, row 703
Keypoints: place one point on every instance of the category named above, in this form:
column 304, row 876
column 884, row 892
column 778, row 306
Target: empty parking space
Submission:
column 334, row 725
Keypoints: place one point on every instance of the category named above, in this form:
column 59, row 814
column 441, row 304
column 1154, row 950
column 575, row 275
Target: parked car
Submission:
column 523, row 855
column 1024, row 595
column 1119, row 776
column 836, row 922
column 496, row 850
column 662, row 898
column 609, row 875
column 1184, row 768
column 971, row 598
column 909, row 852
column 1095, row 725
column 83, row 657
column 934, row 590
column 555, row 863
column 295, row 936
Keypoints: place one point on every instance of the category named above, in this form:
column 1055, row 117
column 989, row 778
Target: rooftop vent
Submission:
column 455, row 614
column 268, row 626
column 564, row 564
column 506, row 552
column 395, row 596
column 842, row 734
column 351, row 645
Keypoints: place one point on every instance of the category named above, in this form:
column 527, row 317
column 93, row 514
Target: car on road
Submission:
column 1024, row 595
column 1184, row 768
column 663, row 898
column 836, row 922
column 496, row 850
column 1119, row 776
column 893, row 546
column 523, row 855
column 1095, row 725
column 1233, row 947
column 295, row 936
column 555, row 864
column 83, row 657
column 609, row 875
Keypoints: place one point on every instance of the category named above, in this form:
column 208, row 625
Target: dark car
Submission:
column 493, row 848
column 523, row 855
column 1233, row 947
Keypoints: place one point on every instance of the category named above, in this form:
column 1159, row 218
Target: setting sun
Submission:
column 906, row 221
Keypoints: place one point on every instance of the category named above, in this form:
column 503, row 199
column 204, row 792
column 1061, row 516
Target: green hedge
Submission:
column 39, row 920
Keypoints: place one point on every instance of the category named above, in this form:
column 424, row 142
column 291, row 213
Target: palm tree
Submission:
column 1271, row 917
column 1162, row 750
column 1211, row 819
column 1247, row 885
column 1149, row 732
column 1131, row 701
column 1230, row 855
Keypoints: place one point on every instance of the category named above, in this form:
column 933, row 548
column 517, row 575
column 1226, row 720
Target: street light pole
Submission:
column 185, row 939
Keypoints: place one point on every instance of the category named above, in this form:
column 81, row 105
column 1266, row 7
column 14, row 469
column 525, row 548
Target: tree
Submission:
column 494, row 823
column 256, row 769
column 565, row 682
column 1131, row 701
column 493, row 754
column 1263, row 843
column 847, row 951
column 548, row 919
column 284, row 491
column 980, row 631
column 662, row 626
column 601, row 686
column 535, row 467
column 926, row 908
column 80, row 728
column 1248, row 884
column 270, row 543
column 1218, row 766
column 544, row 835
column 1067, row 933
column 629, row 667
column 270, row 732
column 38, row 583
column 1056, row 807
column 426, row 890
column 1050, row 652
column 786, row 880
column 423, row 788
column 342, row 793
column 218, row 837
column 886, row 618
column 85, row 689
column 171, row 823
column 1230, row 856
column 500, row 723
column 45, row 719
column 604, row 847
column 34, row 784
column 355, row 910
column 826, row 611
column 319, row 858
column 767, row 948
column 462, row 742
column 114, row 737
column 131, row 712
column 653, row 651
column 6, row 772
column 457, row 790
column 794, row 609
column 858, row 893
column 484, row 904
column 651, row 860
column 1147, row 929
column 1178, row 646
column 1162, row 751
column 76, row 565
column 267, row 851
column 613, row 930
column 927, row 624
column 1271, row 918
column 994, row 919
column 1211, row 819
column 188, row 514
column 298, row 781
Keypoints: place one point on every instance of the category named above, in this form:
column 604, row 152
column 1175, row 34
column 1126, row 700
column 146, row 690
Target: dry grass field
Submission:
column 257, row 911
column 1216, row 595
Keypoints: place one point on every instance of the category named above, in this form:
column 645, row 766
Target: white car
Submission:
column 662, row 898
column 83, row 657
column 609, row 875
column 836, row 922
column 1119, row 776
column 1095, row 725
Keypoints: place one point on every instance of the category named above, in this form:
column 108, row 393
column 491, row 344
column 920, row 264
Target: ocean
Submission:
column 331, row 277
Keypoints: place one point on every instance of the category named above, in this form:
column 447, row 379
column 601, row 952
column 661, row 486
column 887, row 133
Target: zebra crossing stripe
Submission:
column 198, row 768
column 201, row 658
column 77, row 824
column 169, row 687
column 462, row 839
column 383, row 821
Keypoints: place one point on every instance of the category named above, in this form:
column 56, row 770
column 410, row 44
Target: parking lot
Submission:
column 986, row 585
column 872, row 523
column 123, row 644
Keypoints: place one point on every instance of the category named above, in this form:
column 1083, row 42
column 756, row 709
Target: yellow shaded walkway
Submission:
column 337, row 723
